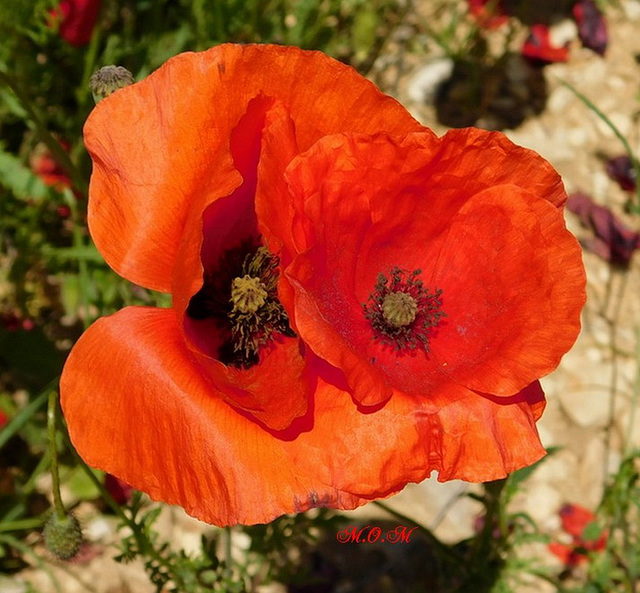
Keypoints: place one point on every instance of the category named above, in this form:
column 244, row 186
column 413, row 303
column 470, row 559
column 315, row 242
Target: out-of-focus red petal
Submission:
column 118, row 490
column 538, row 46
column 566, row 553
column 499, row 253
column 161, row 426
column 77, row 18
column 160, row 147
column 575, row 518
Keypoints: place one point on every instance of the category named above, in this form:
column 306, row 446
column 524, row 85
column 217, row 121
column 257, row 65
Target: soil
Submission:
column 590, row 411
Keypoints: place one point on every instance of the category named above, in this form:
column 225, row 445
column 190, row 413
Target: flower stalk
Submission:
column 53, row 453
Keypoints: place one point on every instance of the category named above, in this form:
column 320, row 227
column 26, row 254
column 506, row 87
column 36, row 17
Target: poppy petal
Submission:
column 499, row 253
column 161, row 147
column 163, row 428
column 228, row 221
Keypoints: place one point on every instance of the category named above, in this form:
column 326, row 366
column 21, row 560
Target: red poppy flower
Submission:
column 120, row 491
column 443, row 243
column 575, row 521
column 232, row 403
column 77, row 19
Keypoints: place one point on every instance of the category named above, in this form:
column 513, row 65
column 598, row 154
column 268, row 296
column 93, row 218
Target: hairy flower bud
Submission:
column 62, row 536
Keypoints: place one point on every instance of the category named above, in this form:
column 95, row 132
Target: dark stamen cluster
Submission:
column 241, row 295
column 402, row 312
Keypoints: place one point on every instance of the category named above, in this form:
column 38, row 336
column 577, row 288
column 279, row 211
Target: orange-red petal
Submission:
column 511, row 274
column 161, row 147
column 137, row 407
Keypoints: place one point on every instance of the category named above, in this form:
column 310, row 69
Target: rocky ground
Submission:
column 590, row 413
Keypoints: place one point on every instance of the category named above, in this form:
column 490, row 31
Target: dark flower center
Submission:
column 402, row 312
column 241, row 296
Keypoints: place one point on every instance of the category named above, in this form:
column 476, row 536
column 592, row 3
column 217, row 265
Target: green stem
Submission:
column 23, row 416
column 635, row 398
column 53, row 452
column 228, row 571
column 83, row 92
column 79, row 244
column 634, row 161
column 21, row 524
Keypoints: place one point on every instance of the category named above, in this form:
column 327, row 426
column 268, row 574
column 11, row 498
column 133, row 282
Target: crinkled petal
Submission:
column 511, row 274
column 139, row 407
column 161, row 146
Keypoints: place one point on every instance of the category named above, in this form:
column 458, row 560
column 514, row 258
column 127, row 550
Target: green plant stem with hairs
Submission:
column 53, row 454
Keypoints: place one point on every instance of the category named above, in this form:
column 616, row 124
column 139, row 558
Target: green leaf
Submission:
column 82, row 487
column 592, row 532
column 365, row 28
column 25, row 184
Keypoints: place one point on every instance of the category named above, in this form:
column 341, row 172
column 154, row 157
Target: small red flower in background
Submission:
column 76, row 20
column 345, row 286
column 45, row 166
column 3, row 419
column 120, row 491
column 575, row 521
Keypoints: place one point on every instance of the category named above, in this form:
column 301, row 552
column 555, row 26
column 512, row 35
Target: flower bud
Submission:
column 109, row 79
column 62, row 536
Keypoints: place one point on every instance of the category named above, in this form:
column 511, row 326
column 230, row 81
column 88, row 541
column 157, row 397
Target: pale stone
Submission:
column 577, row 137
column 587, row 406
column 631, row 9
column 563, row 32
column 424, row 83
column 97, row 529
column 8, row 585
column 540, row 501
